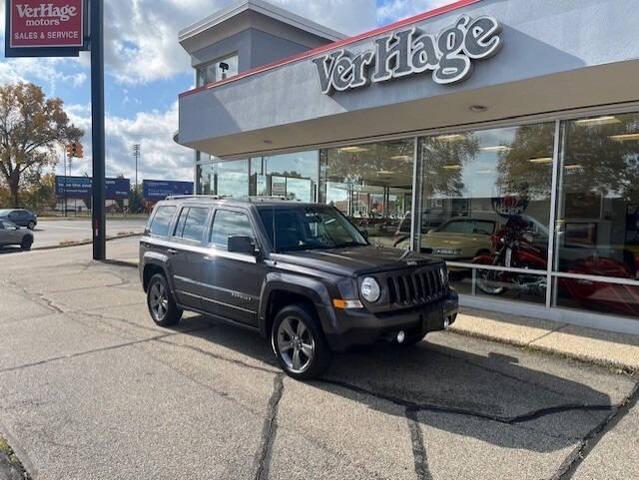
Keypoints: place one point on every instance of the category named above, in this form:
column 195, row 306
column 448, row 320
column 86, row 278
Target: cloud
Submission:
column 141, row 35
column 393, row 10
column 161, row 157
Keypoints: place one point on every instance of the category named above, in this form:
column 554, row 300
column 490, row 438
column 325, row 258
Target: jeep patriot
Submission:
column 300, row 274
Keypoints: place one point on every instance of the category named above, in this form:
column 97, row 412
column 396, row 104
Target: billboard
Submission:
column 155, row 190
column 81, row 187
column 46, row 23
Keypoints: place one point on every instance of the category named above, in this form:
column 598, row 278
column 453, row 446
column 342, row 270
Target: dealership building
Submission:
column 500, row 135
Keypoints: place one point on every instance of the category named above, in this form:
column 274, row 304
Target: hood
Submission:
column 354, row 260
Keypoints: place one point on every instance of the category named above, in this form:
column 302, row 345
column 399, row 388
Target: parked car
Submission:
column 21, row 217
column 302, row 275
column 11, row 234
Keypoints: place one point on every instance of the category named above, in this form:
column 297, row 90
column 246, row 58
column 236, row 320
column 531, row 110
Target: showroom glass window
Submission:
column 372, row 184
column 485, row 190
column 216, row 71
column 598, row 213
column 294, row 176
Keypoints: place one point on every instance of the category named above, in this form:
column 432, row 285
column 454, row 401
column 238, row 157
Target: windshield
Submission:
column 309, row 228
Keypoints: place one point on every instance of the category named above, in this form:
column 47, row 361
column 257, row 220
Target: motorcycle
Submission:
column 512, row 247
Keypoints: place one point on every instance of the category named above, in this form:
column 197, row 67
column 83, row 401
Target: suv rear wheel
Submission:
column 159, row 299
column 299, row 344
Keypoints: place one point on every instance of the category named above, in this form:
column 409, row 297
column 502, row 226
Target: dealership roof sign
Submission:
column 448, row 57
column 45, row 27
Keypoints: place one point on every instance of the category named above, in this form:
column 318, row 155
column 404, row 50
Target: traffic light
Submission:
column 75, row 150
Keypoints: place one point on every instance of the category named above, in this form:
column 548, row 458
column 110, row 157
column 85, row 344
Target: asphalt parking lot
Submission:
column 53, row 232
column 89, row 388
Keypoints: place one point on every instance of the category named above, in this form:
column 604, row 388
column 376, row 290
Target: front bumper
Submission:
column 348, row 328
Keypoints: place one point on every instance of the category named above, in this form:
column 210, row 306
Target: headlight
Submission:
column 443, row 274
column 370, row 290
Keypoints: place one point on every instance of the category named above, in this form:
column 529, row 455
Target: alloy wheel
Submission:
column 295, row 344
column 159, row 301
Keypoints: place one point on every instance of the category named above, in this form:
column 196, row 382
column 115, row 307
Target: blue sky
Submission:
column 146, row 69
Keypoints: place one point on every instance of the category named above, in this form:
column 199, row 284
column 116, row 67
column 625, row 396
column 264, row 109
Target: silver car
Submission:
column 11, row 234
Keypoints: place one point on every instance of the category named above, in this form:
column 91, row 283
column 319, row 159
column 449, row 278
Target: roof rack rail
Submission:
column 277, row 198
column 184, row 197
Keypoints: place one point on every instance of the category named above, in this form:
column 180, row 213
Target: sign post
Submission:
column 97, row 117
column 57, row 28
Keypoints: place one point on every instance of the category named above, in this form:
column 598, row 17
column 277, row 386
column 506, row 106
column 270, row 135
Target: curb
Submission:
column 617, row 367
column 10, row 466
column 84, row 242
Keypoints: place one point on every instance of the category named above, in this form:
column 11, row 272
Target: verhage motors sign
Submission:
column 448, row 56
column 46, row 23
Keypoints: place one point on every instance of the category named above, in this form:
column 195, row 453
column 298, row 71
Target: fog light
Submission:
column 401, row 336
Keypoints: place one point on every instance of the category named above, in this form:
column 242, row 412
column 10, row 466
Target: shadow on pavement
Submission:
column 451, row 390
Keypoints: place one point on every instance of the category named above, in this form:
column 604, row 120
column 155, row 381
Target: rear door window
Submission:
column 162, row 221
column 193, row 221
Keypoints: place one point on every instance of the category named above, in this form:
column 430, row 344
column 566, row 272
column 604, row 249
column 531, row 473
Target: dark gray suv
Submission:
column 299, row 274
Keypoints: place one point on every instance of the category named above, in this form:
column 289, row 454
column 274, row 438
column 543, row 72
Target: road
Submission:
column 50, row 233
column 89, row 388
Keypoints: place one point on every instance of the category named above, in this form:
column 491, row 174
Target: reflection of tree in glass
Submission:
column 597, row 160
column 525, row 169
column 387, row 163
column 444, row 159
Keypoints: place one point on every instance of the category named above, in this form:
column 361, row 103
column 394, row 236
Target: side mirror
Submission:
column 243, row 245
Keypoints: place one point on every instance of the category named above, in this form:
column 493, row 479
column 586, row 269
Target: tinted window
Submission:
column 192, row 222
column 306, row 228
column 162, row 220
column 229, row 224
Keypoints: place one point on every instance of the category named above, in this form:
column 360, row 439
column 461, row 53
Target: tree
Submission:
column 31, row 126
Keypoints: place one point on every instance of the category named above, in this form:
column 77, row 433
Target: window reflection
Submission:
column 598, row 211
column 486, row 201
column 372, row 185
column 293, row 176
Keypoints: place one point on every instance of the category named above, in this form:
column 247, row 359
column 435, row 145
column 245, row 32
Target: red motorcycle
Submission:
column 513, row 247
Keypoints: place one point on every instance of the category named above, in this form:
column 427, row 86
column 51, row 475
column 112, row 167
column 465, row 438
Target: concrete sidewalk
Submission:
column 608, row 349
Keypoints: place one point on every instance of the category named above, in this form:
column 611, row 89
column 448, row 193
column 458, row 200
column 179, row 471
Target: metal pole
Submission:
column 65, row 183
column 97, row 116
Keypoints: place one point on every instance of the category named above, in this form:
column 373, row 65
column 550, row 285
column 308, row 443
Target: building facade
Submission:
column 500, row 136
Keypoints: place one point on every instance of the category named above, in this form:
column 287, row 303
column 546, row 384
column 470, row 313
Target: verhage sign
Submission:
column 46, row 23
column 448, row 56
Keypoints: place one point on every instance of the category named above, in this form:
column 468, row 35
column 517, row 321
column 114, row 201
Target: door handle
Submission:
column 171, row 251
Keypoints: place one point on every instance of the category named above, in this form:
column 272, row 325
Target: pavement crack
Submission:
column 269, row 430
column 570, row 465
column 216, row 356
column 97, row 350
column 419, row 448
column 513, row 420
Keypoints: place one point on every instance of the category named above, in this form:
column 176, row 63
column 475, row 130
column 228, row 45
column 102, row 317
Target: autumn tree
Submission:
column 31, row 126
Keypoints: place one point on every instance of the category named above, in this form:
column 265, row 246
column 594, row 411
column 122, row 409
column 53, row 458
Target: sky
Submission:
column 146, row 69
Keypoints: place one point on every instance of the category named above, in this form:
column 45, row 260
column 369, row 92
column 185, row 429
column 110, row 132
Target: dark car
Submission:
column 20, row 217
column 299, row 274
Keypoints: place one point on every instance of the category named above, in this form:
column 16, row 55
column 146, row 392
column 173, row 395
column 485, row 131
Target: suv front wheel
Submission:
column 299, row 344
column 159, row 299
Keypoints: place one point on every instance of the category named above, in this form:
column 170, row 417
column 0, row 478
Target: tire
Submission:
column 26, row 243
column 31, row 225
column 413, row 340
column 299, row 343
column 161, row 303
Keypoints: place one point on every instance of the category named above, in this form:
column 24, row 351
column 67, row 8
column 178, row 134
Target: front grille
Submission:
column 415, row 287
